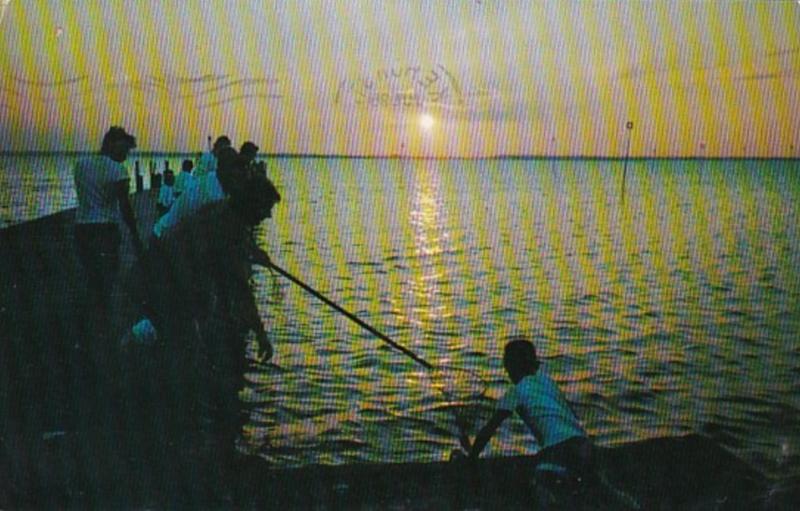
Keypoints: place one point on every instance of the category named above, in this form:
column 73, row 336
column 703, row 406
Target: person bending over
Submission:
column 566, row 467
column 202, row 309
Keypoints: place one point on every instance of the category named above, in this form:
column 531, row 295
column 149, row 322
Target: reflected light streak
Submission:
column 427, row 219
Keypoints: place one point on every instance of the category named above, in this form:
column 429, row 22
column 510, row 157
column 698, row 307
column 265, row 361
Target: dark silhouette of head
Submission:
column 227, row 167
column 169, row 177
column 117, row 143
column 249, row 151
column 519, row 358
column 221, row 143
column 253, row 195
column 187, row 165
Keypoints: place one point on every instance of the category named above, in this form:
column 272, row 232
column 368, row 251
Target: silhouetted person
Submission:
column 202, row 314
column 185, row 178
column 248, row 151
column 208, row 161
column 166, row 194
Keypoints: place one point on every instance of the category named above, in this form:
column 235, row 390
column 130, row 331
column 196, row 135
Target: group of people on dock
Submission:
column 193, row 284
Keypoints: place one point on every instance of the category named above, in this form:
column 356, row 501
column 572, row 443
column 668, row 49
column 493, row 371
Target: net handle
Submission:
column 352, row 317
column 463, row 437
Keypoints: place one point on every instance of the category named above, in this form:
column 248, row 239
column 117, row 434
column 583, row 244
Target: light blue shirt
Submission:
column 183, row 181
column 206, row 165
column 166, row 195
column 202, row 191
column 543, row 408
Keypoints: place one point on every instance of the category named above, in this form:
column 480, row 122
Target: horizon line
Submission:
column 155, row 153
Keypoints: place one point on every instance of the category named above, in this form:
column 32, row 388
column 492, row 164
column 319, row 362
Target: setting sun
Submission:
column 426, row 121
column 578, row 73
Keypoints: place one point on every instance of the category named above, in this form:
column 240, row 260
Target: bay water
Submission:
column 673, row 309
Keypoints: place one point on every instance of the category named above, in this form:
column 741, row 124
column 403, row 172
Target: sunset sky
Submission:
column 416, row 77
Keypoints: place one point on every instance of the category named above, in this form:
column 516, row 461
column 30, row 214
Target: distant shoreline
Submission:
column 162, row 154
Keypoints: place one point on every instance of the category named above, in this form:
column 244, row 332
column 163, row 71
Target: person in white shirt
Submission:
column 204, row 190
column 566, row 466
column 208, row 161
column 102, row 187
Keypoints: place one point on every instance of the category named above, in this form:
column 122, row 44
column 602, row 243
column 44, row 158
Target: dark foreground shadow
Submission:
column 78, row 471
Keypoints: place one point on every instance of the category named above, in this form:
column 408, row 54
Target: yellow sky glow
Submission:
column 355, row 76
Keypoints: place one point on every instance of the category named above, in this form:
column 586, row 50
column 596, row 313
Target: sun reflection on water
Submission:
column 428, row 222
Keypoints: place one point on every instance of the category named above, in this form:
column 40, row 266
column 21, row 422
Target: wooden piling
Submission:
column 139, row 177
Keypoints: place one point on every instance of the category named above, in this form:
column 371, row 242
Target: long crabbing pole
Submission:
column 629, row 127
column 463, row 438
column 352, row 317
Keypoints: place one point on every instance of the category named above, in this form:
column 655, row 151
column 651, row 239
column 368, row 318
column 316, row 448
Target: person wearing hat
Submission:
column 249, row 152
column 102, row 187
